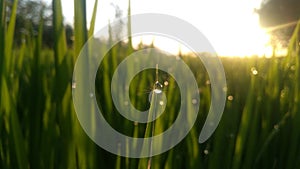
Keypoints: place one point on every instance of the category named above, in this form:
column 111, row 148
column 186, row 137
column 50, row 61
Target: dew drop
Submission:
column 230, row 98
column 91, row 95
column 206, row 152
column 126, row 103
column 293, row 67
column 126, row 87
column 276, row 127
column 194, row 101
column 119, row 144
column 158, row 87
column 231, row 135
column 254, row 71
column 73, row 85
column 166, row 83
column 161, row 103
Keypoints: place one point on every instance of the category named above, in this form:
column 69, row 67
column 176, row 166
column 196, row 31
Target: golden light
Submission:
column 231, row 26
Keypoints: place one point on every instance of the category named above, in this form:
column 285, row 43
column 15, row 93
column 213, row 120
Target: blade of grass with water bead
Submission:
column 86, row 148
column 149, row 132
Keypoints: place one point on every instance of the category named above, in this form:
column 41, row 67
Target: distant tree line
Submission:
column 273, row 13
column 32, row 13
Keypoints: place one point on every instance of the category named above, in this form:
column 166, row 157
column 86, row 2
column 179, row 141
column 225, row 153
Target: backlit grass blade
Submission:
column 18, row 138
column 86, row 149
column 295, row 133
column 2, row 47
column 80, row 30
column 129, row 25
column 241, row 140
column 93, row 20
column 58, row 33
column 10, row 35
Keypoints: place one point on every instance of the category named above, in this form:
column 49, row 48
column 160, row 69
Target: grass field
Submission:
column 260, row 127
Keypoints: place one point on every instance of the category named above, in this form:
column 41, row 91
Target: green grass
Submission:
column 260, row 127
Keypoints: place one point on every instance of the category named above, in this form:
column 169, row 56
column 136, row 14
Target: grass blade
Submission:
column 93, row 20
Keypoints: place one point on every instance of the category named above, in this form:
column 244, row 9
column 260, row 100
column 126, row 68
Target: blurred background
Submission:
column 257, row 42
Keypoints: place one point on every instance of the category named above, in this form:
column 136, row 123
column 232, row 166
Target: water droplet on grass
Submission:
column 194, row 101
column 91, row 95
column 157, row 87
column 206, row 152
column 73, row 85
column 254, row 71
column 161, row 103
column 230, row 98
column 166, row 83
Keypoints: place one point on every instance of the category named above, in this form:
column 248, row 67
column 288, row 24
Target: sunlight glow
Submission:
column 231, row 26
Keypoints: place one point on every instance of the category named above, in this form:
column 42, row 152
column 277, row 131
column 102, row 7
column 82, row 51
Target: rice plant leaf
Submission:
column 2, row 37
column 59, row 33
column 18, row 140
column 10, row 34
column 80, row 30
column 93, row 20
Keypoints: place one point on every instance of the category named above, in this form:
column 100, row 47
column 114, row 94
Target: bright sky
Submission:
column 231, row 26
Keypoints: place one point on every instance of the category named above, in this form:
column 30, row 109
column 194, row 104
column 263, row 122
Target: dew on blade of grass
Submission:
column 166, row 83
column 91, row 95
column 126, row 103
column 127, row 88
column 161, row 103
column 231, row 135
column 194, row 101
column 254, row 71
column 230, row 98
column 206, row 152
column 73, row 85
column 276, row 127
column 157, row 87
column 293, row 67
column 119, row 144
